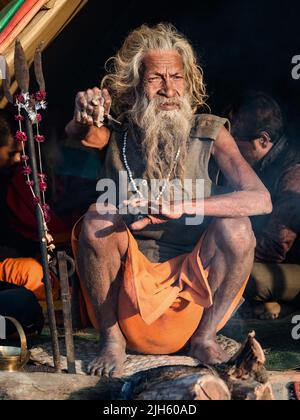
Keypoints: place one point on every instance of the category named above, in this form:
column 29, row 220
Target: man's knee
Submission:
column 236, row 235
column 97, row 224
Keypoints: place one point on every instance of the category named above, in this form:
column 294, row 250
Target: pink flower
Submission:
column 42, row 177
column 43, row 186
column 25, row 158
column 21, row 136
column 19, row 118
column 38, row 117
column 41, row 96
column 39, row 138
column 47, row 216
column 46, row 207
column 20, row 98
column 27, row 171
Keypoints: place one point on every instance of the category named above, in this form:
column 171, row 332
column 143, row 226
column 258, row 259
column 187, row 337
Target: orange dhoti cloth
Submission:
column 28, row 273
column 161, row 304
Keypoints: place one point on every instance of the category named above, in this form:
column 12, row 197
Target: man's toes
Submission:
column 108, row 368
column 117, row 373
column 91, row 369
column 99, row 372
column 273, row 309
column 95, row 369
column 269, row 316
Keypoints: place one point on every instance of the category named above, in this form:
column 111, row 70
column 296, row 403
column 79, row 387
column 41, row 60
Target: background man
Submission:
column 20, row 278
column 155, row 284
column 258, row 127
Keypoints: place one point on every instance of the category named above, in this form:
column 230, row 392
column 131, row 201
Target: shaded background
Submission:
column 241, row 44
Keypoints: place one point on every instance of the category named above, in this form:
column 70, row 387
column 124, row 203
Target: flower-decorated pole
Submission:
column 28, row 107
column 43, row 245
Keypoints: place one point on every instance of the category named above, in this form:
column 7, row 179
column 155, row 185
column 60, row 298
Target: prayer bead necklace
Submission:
column 130, row 175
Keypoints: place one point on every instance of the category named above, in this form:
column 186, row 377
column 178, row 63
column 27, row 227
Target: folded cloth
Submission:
column 28, row 273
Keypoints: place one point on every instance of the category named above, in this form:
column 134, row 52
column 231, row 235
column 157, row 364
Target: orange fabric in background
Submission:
column 28, row 273
column 161, row 304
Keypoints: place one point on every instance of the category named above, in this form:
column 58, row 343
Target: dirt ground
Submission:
column 283, row 362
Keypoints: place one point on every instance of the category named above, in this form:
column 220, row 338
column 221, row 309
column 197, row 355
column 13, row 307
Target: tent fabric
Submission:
column 8, row 12
column 27, row 11
column 43, row 22
column 4, row 3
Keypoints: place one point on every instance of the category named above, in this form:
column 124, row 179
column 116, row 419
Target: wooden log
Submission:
column 250, row 390
column 46, row 386
column 245, row 373
column 247, row 363
column 243, row 378
column 176, row 383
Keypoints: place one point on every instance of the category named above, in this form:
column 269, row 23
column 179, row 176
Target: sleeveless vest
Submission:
column 162, row 242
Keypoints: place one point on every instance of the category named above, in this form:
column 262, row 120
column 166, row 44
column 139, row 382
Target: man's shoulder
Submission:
column 290, row 178
column 208, row 126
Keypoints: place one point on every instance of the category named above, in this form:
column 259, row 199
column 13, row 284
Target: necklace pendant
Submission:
column 144, row 182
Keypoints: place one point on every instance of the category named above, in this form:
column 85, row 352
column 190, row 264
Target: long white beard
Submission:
column 164, row 133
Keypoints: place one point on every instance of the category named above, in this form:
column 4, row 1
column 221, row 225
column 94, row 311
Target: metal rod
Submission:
column 43, row 249
column 67, row 311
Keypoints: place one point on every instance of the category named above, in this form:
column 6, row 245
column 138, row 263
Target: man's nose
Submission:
column 168, row 89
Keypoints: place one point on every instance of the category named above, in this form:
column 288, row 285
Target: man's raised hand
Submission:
column 92, row 106
column 87, row 125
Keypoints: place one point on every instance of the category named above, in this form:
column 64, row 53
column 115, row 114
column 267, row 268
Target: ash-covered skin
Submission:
column 228, row 246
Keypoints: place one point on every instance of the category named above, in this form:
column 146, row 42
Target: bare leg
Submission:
column 103, row 243
column 228, row 249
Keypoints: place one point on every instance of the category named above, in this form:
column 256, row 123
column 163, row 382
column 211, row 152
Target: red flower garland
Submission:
column 31, row 104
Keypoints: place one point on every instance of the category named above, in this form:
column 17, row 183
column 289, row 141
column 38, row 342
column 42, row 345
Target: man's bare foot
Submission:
column 208, row 351
column 110, row 362
column 274, row 310
column 267, row 311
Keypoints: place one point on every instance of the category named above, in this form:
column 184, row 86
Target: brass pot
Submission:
column 13, row 359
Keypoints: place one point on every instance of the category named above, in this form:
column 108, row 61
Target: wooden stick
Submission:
column 67, row 312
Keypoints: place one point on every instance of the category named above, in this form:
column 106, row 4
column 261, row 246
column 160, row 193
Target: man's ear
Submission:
column 265, row 140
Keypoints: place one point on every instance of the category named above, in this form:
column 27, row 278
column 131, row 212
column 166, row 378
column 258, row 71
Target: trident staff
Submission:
column 28, row 107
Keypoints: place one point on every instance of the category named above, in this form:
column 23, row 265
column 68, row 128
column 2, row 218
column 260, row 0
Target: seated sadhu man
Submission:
column 156, row 283
column 21, row 279
column 258, row 127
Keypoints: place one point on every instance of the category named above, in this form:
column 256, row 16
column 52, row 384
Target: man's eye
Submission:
column 177, row 77
column 153, row 79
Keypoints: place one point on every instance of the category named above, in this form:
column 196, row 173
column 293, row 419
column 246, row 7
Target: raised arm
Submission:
column 250, row 196
column 86, row 125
